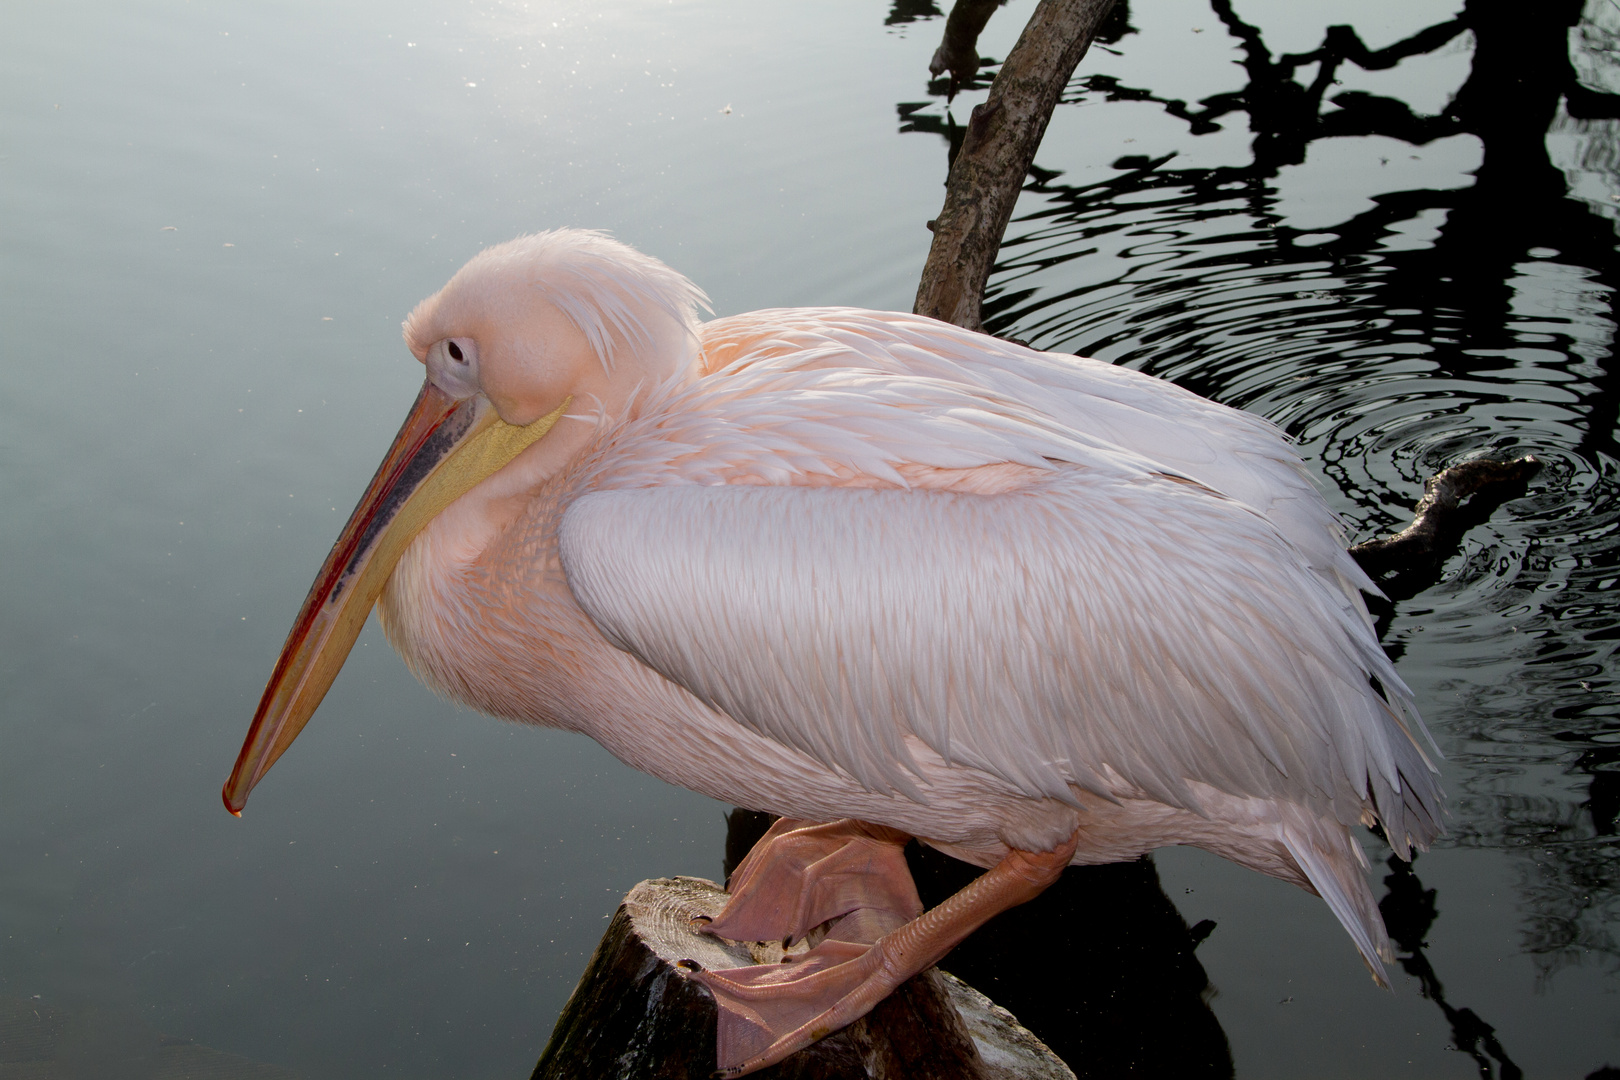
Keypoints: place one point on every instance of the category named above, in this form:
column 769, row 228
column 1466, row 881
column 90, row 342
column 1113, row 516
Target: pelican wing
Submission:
column 1104, row 406
column 1105, row 625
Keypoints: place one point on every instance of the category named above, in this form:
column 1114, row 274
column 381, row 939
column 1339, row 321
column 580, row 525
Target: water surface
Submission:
column 213, row 217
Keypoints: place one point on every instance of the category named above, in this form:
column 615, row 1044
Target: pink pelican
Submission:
column 880, row 575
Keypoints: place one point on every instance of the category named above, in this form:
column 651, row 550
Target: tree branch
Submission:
column 1002, row 137
column 959, row 52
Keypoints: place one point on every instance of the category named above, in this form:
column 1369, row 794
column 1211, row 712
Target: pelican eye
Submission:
column 452, row 365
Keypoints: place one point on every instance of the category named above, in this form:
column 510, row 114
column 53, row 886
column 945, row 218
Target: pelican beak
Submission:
column 443, row 449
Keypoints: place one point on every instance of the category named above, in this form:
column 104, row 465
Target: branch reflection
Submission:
column 1446, row 312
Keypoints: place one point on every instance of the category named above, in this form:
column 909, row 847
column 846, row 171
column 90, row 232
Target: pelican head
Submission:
column 517, row 336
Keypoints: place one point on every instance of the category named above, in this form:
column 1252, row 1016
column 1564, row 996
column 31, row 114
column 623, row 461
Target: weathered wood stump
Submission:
column 635, row 1017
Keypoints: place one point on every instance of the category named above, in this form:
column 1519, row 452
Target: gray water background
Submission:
column 213, row 217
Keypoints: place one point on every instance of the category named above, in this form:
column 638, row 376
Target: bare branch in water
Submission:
column 959, row 52
column 1440, row 518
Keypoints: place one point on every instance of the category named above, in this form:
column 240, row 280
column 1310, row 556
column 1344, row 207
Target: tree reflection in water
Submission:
column 1409, row 910
column 1431, row 323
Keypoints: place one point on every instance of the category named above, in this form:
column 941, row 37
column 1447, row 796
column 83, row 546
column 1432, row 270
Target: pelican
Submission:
column 884, row 577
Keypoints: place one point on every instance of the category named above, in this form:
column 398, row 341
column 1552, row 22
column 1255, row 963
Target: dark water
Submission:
column 1398, row 242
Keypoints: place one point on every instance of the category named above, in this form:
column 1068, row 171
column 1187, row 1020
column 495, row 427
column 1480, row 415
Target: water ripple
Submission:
column 1367, row 357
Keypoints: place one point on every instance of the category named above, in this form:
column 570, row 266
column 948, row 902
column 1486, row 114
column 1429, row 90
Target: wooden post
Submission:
column 634, row 1016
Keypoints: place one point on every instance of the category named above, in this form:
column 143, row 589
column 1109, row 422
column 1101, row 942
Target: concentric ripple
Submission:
column 1384, row 367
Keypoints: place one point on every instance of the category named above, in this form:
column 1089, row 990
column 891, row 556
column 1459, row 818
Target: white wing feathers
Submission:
column 1107, row 622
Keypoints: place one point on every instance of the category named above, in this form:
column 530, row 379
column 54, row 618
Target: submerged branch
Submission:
column 1441, row 518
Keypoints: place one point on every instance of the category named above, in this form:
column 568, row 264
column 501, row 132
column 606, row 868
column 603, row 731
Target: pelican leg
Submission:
column 769, row 1011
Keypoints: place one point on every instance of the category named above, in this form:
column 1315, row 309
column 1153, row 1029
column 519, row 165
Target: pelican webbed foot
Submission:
column 850, row 878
